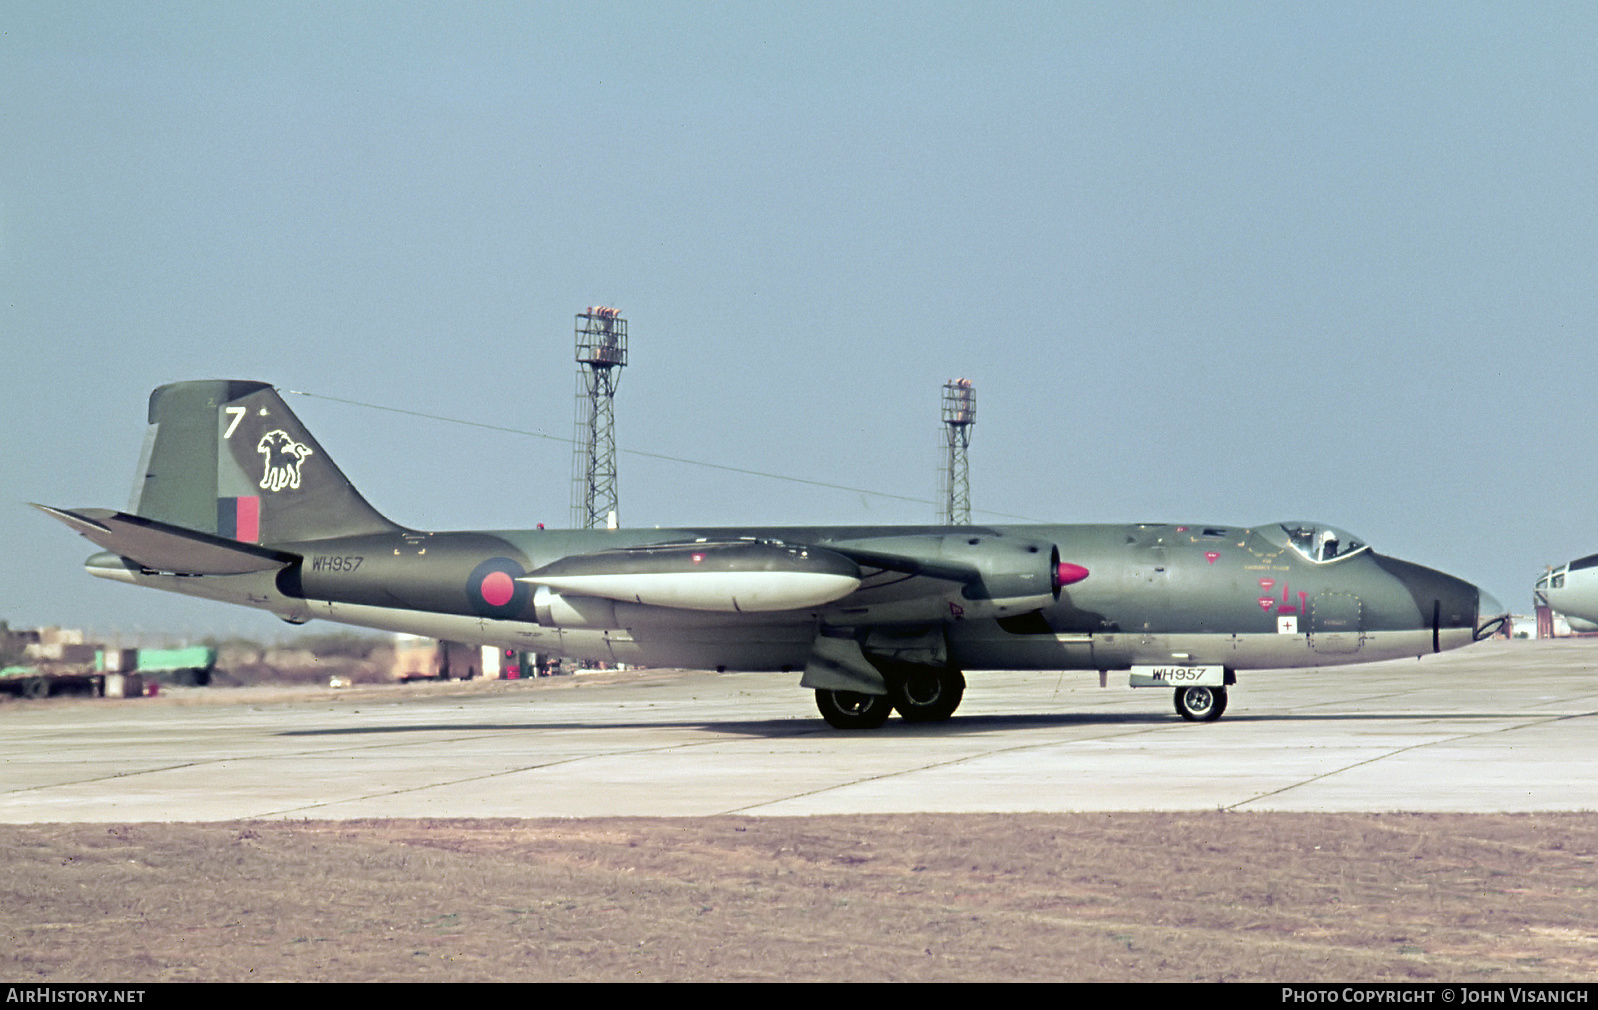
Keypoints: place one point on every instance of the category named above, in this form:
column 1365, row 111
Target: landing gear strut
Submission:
column 1200, row 704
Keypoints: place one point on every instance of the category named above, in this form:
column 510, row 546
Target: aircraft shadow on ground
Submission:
column 897, row 728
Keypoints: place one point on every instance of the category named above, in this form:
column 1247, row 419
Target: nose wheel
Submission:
column 1200, row 704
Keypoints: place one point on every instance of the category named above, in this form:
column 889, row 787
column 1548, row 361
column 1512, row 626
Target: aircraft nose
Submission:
column 1455, row 611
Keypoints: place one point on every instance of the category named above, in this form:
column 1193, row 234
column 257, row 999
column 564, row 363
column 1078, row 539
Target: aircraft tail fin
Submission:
column 228, row 457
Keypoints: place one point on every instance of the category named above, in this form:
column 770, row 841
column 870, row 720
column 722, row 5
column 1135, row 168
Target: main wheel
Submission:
column 1200, row 704
column 927, row 693
column 853, row 710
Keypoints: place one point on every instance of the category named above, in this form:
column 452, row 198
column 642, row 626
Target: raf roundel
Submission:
column 498, row 588
column 493, row 590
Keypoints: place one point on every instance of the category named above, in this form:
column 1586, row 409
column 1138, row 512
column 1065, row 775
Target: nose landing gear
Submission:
column 1200, row 704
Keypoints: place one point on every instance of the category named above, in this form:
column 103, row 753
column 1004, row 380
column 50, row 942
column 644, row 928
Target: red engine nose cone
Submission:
column 1066, row 573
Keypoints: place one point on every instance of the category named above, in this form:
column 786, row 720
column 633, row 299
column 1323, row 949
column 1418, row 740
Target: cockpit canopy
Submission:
column 1555, row 579
column 1317, row 542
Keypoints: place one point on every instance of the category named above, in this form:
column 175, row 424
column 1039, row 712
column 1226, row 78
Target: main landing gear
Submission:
column 918, row 693
column 927, row 693
column 1200, row 704
column 853, row 710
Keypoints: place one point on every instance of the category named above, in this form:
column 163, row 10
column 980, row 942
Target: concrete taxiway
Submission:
column 1502, row 726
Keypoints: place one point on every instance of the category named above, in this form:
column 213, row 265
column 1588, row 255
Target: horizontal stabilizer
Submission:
column 741, row 576
column 162, row 547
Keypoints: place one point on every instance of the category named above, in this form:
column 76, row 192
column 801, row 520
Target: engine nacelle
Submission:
column 1017, row 576
column 987, row 575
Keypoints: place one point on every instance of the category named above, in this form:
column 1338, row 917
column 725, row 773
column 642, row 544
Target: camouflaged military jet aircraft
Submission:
column 237, row 502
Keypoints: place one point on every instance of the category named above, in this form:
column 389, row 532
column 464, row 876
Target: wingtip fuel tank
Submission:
column 746, row 576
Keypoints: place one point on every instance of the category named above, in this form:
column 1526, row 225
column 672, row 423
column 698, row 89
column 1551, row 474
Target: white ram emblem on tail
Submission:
column 283, row 459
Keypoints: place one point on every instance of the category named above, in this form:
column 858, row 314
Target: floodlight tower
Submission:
column 959, row 414
column 601, row 354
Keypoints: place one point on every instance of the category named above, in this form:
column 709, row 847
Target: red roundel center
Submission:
column 498, row 588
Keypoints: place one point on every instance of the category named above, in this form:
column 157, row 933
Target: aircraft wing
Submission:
column 905, row 567
column 163, row 547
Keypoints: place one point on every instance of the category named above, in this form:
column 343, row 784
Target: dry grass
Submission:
column 1126, row 896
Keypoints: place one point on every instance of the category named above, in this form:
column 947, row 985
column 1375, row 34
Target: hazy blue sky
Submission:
column 1220, row 262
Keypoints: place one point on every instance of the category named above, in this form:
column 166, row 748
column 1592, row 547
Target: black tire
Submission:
column 1200, row 704
column 927, row 693
column 36, row 687
column 853, row 710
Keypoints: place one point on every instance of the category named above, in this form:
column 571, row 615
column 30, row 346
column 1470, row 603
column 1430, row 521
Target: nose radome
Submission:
column 1490, row 614
column 1441, row 601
